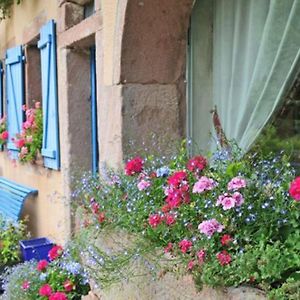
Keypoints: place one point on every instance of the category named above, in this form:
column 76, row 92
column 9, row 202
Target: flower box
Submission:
column 36, row 248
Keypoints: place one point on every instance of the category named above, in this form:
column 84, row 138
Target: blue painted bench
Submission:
column 12, row 198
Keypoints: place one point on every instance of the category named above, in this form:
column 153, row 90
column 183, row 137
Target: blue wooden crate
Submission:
column 36, row 249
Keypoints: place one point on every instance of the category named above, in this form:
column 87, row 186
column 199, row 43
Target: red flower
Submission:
column 95, row 207
column 295, row 189
column 177, row 179
column 55, row 252
column 185, row 246
column 20, row 143
column 68, row 286
column 201, row 256
column 226, row 239
column 197, row 163
column 166, row 208
column 170, row 219
column 45, row 290
column 224, row 258
column 58, row 296
column 134, row 166
column 101, row 217
column 168, row 248
column 26, row 285
column 42, row 265
column 4, row 135
column 154, row 220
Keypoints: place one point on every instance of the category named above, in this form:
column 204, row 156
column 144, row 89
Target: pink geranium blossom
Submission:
column 185, row 246
column 224, row 258
column 209, row 227
column 190, row 265
column 204, row 184
column 236, row 183
column 239, row 199
column 201, row 256
column 45, row 290
column 143, row 184
column 154, row 220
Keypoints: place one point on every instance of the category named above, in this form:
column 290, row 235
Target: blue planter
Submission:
column 36, row 249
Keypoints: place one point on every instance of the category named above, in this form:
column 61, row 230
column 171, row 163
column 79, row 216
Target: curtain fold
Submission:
column 255, row 58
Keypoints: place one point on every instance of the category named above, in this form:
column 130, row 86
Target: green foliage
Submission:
column 264, row 231
column 10, row 235
column 5, row 6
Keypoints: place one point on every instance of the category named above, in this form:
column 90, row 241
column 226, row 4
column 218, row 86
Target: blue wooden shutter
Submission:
column 14, row 95
column 47, row 46
column 95, row 151
column 1, row 94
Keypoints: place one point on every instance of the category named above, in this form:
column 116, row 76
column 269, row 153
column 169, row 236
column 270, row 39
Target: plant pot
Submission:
column 36, row 249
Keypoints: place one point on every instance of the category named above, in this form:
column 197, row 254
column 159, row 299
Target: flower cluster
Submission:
column 3, row 131
column 49, row 280
column 29, row 141
column 221, row 217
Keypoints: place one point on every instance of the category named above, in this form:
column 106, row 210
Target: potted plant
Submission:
column 62, row 278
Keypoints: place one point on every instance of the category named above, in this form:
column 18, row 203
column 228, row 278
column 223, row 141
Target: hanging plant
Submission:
column 29, row 141
column 5, row 6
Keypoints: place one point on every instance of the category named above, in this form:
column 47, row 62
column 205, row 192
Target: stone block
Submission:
column 70, row 14
column 150, row 117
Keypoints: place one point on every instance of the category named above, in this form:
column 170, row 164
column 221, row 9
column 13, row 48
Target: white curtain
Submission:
column 256, row 56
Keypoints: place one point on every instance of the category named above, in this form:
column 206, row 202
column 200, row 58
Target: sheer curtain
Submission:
column 255, row 58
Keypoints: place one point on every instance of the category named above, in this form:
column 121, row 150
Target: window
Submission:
column 243, row 58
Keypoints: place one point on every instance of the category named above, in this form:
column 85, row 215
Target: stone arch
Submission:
column 150, row 63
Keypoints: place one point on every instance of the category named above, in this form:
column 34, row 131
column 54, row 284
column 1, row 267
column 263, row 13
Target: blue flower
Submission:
column 163, row 172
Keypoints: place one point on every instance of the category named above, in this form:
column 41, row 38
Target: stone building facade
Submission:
column 140, row 59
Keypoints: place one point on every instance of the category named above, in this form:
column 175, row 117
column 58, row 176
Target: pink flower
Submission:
column 42, row 265
column 37, row 105
column 239, row 199
column 204, row 184
column 143, row 184
column 228, row 203
column 4, row 135
column 185, row 246
column 196, row 164
column 190, row 265
column 55, row 252
column 68, row 286
column 166, row 208
column 168, row 248
column 45, row 290
column 224, row 258
column 27, row 125
column 101, row 217
column 26, row 285
column 170, row 219
column 24, row 151
column 134, row 166
column 58, row 296
column 295, row 189
column 210, row 227
column 236, row 183
column 154, row 220
column 201, row 256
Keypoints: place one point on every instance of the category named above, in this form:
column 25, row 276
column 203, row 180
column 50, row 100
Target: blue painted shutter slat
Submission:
column 14, row 95
column 47, row 46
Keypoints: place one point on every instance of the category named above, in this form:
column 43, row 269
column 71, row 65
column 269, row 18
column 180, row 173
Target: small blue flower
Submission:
column 163, row 172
